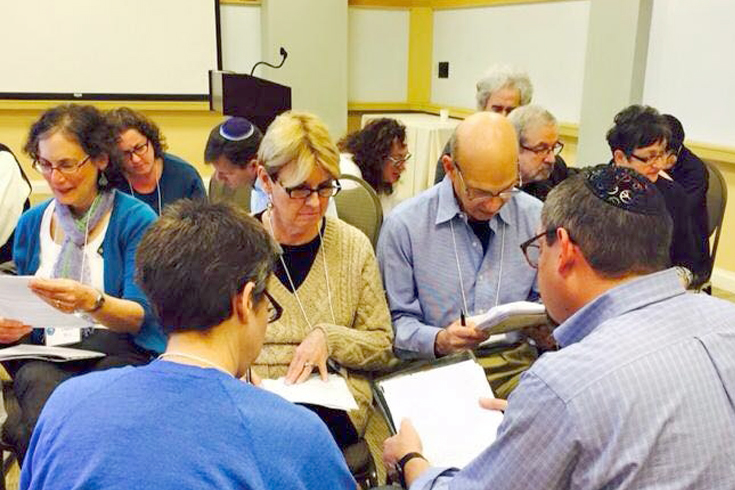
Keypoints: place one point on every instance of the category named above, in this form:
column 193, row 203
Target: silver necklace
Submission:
column 192, row 357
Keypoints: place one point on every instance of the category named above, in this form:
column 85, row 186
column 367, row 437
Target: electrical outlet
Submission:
column 443, row 69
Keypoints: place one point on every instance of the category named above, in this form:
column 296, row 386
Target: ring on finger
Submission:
column 308, row 364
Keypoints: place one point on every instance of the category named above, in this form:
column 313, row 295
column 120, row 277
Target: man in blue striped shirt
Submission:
column 641, row 393
column 453, row 249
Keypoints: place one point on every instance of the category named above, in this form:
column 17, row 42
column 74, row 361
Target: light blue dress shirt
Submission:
column 639, row 397
column 421, row 269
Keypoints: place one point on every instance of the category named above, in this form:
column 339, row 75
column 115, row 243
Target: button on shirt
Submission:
column 421, row 269
column 640, row 396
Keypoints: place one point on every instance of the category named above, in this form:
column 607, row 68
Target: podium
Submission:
column 246, row 96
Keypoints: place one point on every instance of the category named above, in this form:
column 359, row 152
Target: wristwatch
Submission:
column 401, row 465
column 98, row 303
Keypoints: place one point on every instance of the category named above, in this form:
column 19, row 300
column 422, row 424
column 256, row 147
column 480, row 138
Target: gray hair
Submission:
column 502, row 76
column 614, row 241
column 531, row 116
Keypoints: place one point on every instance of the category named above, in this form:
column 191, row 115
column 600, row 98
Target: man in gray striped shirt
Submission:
column 641, row 394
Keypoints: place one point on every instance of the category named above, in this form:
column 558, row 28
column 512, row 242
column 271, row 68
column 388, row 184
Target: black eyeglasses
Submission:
column 138, row 150
column 532, row 250
column 275, row 310
column 544, row 150
column 303, row 192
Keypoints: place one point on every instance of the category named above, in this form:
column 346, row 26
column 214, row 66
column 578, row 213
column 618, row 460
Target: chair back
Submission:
column 359, row 205
column 716, row 203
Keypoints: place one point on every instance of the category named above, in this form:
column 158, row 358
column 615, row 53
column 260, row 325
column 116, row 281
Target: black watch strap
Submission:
column 401, row 465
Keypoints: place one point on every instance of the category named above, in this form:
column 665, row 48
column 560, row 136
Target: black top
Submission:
column 691, row 173
column 298, row 259
column 483, row 232
column 686, row 248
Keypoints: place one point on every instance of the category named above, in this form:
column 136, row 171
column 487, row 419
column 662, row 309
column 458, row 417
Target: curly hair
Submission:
column 637, row 126
column 124, row 118
column 371, row 146
column 86, row 125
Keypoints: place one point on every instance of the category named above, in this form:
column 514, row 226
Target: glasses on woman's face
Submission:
column 275, row 310
column 478, row 195
column 398, row 161
column 325, row 190
column 65, row 167
column 138, row 150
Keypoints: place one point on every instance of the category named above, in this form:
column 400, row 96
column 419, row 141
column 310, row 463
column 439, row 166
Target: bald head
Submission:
column 486, row 149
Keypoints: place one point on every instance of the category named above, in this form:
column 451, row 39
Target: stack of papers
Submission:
column 47, row 353
column 511, row 316
column 443, row 405
column 332, row 393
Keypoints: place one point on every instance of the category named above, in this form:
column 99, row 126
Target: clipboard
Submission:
column 444, row 409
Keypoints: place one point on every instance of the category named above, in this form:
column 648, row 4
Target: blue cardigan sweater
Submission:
column 128, row 222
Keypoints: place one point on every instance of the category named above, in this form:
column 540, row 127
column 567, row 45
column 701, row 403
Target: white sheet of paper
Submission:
column 333, row 393
column 17, row 302
column 443, row 405
column 45, row 352
column 510, row 316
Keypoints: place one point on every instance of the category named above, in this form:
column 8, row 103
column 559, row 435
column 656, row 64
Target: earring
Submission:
column 102, row 180
column 269, row 206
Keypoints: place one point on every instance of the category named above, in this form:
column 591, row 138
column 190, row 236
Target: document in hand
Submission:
column 332, row 393
column 46, row 353
column 511, row 316
column 442, row 402
column 18, row 302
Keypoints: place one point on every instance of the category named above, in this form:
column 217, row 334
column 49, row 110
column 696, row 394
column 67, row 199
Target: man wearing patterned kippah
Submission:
column 640, row 393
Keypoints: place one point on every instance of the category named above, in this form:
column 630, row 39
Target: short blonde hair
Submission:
column 301, row 141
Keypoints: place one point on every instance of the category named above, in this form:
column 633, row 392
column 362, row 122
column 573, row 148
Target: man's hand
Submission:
column 406, row 441
column 12, row 330
column 457, row 338
column 497, row 404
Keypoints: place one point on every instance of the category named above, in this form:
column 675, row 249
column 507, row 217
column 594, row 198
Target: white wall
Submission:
column 690, row 71
column 378, row 55
column 240, row 27
column 546, row 39
column 314, row 32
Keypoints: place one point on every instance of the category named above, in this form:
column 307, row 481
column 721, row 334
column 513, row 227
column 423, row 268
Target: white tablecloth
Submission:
column 426, row 136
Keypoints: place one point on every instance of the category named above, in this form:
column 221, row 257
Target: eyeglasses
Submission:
column 651, row 160
column 302, row 192
column 65, row 167
column 138, row 150
column 397, row 162
column 532, row 250
column 477, row 195
column 275, row 310
column 546, row 150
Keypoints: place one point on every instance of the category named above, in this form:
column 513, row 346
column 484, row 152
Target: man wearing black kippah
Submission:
column 638, row 140
column 640, row 393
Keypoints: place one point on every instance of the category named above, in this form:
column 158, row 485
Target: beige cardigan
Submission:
column 362, row 338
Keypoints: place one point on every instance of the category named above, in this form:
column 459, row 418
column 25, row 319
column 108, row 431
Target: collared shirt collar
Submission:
column 448, row 207
column 622, row 299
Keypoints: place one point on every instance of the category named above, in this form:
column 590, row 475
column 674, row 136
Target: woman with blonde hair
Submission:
column 335, row 312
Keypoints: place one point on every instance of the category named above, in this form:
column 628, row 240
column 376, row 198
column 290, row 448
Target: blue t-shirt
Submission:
column 172, row 426
column 178, row 180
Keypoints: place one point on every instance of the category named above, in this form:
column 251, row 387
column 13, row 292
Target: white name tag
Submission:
column 62, row 336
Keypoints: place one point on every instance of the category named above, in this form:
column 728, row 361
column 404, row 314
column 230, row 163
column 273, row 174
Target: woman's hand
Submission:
column 311, row 352
column 12, row 330
column 65, row 295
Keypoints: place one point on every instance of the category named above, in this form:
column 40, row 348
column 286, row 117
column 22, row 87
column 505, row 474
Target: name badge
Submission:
column 62, row 336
